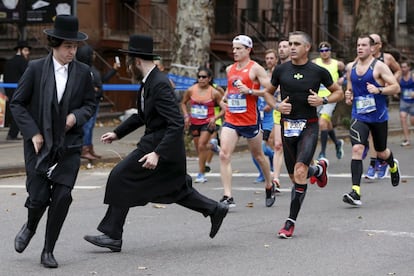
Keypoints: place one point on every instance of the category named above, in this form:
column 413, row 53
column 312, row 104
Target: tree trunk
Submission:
column 375, row 16
column 195, row 20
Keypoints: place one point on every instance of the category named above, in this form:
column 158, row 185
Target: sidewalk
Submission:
column 12, row 160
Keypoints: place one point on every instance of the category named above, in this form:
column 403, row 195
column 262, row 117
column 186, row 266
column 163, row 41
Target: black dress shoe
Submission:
column 105, row 241
column 217, row 218
column 23, row 238
column 48, row 260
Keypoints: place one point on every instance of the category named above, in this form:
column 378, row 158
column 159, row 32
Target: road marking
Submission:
column 19, row 186
column 391, row 233
column 258, row 189
column 212, row 175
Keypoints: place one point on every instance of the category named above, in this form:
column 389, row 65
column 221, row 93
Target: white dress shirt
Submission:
column 61, row 77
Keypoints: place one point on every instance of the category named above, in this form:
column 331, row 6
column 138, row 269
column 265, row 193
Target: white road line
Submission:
column 259, row 188
column 212, row 175
column 391, row 233
column 18, row 186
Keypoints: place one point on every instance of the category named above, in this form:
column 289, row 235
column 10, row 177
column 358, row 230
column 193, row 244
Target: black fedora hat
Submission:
column 22, row 44
column 66, row 27
column 140, row 46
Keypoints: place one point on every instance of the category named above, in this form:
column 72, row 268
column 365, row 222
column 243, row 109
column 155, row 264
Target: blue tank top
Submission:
column 407, row 87
column 265, row 116
column 367, row 107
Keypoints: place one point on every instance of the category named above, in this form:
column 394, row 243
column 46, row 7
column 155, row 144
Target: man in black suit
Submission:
column 54, row 98
column 14, row 69
column 156, row 170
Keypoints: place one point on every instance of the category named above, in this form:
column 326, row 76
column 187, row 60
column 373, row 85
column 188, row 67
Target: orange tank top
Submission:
column 241, row 108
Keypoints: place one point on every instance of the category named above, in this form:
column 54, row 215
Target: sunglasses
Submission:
column 202, row 76
column 324, row 50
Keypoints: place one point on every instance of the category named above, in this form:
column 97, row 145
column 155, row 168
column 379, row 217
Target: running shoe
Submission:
column 207, row 168
column 200, row 178
column 371, row 174
column 352, row 198
column 287, row 231
column 395, row 173
column 270, row 196
column 322, row 179
column 259, row 179
column 214, row 146
column 229, row 201
column 277, row 184
column 405, row 143
column 382, row 169
column 340, row 149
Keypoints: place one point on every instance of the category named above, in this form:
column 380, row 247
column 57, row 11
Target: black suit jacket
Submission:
column 28, row 107
column 130, row 184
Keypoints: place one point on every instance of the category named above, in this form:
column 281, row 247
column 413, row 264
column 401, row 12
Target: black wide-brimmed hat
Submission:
column 66, row 27
column 22, row 44
column 140, row 46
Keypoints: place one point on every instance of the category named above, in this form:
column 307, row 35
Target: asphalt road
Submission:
column 330, row 238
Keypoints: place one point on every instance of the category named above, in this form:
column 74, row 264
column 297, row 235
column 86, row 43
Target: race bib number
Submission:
column 293, row 128
column 237, row 103
column 407, row 94
column 365, row 104
column 199, row 111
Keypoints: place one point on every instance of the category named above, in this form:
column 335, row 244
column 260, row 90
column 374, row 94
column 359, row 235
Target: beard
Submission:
column 136, row 74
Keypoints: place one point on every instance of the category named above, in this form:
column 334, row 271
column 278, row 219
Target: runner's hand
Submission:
column 314, row 99
column 285, row 107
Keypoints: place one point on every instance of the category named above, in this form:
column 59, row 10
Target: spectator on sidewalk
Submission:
column 14, row 69
column 160, row 64
column 86, row 54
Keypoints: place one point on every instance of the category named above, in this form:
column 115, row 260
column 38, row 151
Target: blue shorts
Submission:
column 244, row 131
column 407, row 107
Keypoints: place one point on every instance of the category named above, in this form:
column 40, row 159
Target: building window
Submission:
column 252, row 10
column 224, row 17
column 402, row 11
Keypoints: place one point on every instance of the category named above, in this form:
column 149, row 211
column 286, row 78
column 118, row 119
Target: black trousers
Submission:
column 13, row 128
column 113, row 222
column 59, row 200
